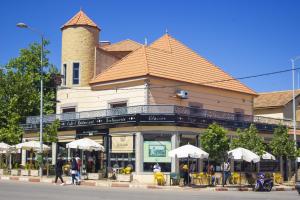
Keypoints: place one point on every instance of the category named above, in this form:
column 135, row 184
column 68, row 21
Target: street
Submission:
column 36, row 191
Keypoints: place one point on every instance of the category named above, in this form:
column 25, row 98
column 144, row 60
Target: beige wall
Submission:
column 103, row 61
column 78, row 45
column 270, row 112
column 211, row 98
column 86, row 99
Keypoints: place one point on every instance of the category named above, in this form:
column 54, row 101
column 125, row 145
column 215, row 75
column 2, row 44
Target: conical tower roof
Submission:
column 80, row 19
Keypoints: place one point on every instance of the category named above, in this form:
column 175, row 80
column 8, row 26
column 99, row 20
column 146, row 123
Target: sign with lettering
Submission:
column 157, row 151
column 122, row 144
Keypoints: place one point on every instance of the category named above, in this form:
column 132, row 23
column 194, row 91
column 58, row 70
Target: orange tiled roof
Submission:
column 80, row 19
column 124, row 45
column 170, row 59
column 274, row 99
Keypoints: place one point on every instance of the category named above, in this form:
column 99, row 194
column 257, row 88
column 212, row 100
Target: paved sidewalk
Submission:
column 110, row 183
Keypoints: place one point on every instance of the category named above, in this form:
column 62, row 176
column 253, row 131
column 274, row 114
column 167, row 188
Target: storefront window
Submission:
column 122, row 153
column 156, row 148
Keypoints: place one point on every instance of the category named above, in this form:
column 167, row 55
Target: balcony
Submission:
column 162, row 114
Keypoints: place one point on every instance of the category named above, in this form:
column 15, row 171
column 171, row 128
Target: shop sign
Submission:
column 157, row 151
column 122, row 144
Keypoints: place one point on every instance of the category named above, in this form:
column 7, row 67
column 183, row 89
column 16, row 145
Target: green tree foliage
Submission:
column 249, row 139
column 50, row 132
column 215, row 142
column 19, row 91
column 281, row 144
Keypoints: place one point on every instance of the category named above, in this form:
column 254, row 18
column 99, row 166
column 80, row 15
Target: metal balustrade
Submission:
column 158, row 109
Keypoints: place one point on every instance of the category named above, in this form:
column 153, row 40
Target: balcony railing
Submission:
column 158, row 109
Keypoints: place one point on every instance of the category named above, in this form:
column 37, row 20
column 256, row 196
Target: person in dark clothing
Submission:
column 58, row 170
column 74, row 170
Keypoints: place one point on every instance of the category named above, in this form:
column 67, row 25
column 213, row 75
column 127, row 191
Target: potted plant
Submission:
column 34, row 170
column 26, row 170
column 15, row 171
column 3, row 169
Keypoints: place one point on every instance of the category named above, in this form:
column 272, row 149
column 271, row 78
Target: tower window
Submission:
column 75, row 73
column 65, row 74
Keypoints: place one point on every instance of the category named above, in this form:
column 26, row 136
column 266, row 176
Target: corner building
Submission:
column 141, row 101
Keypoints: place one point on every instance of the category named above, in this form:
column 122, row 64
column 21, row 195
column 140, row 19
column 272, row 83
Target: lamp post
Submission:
column 23, row 25
column 294, row 112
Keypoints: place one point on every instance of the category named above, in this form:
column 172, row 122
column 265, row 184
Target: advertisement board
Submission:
column 122, row 144
column 157, row 151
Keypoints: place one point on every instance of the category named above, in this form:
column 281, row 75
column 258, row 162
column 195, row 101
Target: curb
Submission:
column 128, row 185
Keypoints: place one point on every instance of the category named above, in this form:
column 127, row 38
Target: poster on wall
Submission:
column 122, row 144
column 157, row 151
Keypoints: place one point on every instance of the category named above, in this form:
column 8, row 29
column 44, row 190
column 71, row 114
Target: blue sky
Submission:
column 243, row 37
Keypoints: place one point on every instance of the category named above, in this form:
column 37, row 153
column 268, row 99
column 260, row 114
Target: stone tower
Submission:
column 80, row 36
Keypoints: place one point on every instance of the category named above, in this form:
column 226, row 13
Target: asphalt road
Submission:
column 10, row 190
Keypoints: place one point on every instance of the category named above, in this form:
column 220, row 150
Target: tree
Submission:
column 249, row 139
column 50, row 132
column 215, row 142
column 19, row 91
column 281, row 144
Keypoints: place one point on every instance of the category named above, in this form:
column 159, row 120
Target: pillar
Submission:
column 23, row 162
column 175, row 161
column 54, row 152
column 139, row 146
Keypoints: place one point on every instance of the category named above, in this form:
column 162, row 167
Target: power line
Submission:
column 200, row 83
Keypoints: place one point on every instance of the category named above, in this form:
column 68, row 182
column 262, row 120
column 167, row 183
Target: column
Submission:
column 139, row 145
column 54, row 150
column 174, row 161
column 23, row 162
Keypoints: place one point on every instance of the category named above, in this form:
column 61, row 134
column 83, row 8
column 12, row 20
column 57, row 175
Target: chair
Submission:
column 127, row 170
column 174, row 178
column 201, row 177
column 236, row 178
column 159, row 177
column 277, row 178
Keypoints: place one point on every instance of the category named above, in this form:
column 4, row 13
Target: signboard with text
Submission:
column 157, row 151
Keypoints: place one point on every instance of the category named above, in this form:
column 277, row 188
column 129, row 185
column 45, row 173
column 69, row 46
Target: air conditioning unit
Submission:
column 182, row 94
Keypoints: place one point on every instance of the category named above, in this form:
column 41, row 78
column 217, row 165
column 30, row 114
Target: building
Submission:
column 140, row 101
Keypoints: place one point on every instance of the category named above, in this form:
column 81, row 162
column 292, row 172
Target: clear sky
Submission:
column 243, row 37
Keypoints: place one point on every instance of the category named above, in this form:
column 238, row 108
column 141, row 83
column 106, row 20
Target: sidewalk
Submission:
column 114, row 184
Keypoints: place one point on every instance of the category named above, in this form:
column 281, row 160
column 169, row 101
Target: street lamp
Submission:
column 294, row 112
column 23, row 25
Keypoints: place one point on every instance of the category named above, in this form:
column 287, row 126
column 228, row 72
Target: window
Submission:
column 195, row 108
column 68, row 110
column 75, row 73
column 118, row 105
column 118, row 108
column 65, row 74
column 156, row 149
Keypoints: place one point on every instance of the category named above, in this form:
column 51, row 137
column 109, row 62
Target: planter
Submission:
column 15, row 172
column 124, row 177
column 3, row 172
column 25, row 172
column 34, row 172
column 94, row 176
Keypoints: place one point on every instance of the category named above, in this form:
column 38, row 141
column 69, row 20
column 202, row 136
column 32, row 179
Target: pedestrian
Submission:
column 211, row 173
column 226, row 169
column 58, row 170
column 156, row 168
column 79, row 164
column 185, row 172
column 74, row 170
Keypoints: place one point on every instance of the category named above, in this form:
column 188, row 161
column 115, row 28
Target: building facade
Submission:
column 141, row 101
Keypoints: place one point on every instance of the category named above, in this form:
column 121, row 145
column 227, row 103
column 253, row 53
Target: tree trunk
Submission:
column 281, row 167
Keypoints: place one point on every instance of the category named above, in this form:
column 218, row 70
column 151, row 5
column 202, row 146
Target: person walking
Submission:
column 79, row 164
column 74, row 170
column 185, row 172
column 226, row 169
column 58, row 170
